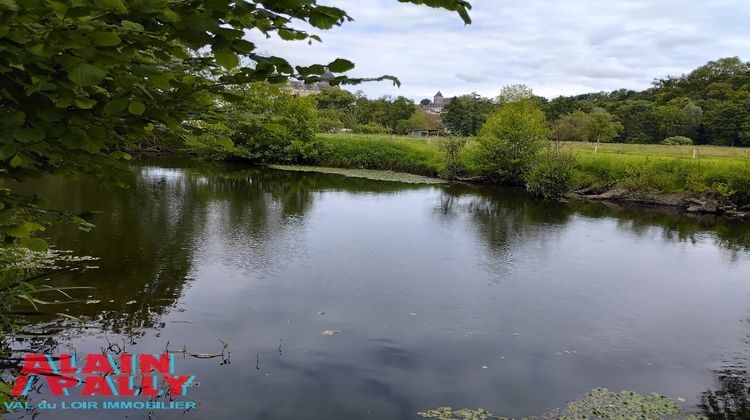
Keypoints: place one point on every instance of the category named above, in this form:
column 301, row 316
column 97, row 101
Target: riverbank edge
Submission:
column 686, row 203
column 683, row 202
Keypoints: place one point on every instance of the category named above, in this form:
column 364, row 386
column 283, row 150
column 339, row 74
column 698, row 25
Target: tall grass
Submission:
column 635, row 167
column 662, row 174
column 379, row 152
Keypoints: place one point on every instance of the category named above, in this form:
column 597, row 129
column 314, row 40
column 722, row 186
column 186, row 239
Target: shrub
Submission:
column 275, row 128
column 370, row 128
column 510, row 140
column 552, row 176
column 677, row 141
column 452, row 147
column 739, row 182
column 329, row 120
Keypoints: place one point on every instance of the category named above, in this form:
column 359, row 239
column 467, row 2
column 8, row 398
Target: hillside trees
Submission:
column 601, row 127
column 420, row 120
column 697, row 105
column 597, row 126
column 465, row 115
column 571, row 127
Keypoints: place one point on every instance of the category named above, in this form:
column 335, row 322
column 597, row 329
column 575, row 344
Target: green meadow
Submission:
column 635, row 167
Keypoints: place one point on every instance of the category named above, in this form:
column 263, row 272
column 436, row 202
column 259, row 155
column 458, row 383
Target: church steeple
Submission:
column 438, row 99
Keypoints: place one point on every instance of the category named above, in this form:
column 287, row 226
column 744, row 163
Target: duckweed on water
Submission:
column 600, row 403
column 447, row 413
column 376, row 175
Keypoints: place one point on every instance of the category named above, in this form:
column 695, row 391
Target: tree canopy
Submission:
column 465, row 115
column 82, row 78
column 710, row 105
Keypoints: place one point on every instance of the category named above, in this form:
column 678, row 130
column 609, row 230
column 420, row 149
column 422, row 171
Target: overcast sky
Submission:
column 555, row 47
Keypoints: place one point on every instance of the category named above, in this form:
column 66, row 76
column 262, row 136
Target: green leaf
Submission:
column 132, row 26
column 227, row 59
column 16, row 161
column 224, row 141
column 28, row 135
column 340, row 65
column 8, row 5
column 161, row 80
column 84, row 103
column 325, row 17
column 74, row 138
column 13, row 119
column 50, row 114
column 113, row 5
column 105, row 39
column 35, row 244
column 85, row 75
column 23, row 230
column 243, row 46
column 117, row 154
column 136, row 108
column 92, row 147
column 115, row 106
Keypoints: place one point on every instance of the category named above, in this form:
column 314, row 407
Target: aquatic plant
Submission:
column 599, row 403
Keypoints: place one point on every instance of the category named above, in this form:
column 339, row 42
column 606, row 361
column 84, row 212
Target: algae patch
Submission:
column 599, row 403
column 372, row 174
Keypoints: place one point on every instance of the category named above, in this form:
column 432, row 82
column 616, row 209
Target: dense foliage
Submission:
column 552, row 174
column 465, row 115
column 510, row 140
column 271, row 125
column 83, row 80
column 341, row 109
column 710, row 105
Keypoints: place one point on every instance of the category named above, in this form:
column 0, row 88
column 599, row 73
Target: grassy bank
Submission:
column 654, row 169
column 394, row 153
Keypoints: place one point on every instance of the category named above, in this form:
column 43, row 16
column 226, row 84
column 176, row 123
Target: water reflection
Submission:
column 428, row 284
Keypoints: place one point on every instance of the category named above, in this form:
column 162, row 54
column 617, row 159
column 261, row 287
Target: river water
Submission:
column 438, row 295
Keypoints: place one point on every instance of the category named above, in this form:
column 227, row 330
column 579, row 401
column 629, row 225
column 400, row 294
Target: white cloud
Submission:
column 554, row 46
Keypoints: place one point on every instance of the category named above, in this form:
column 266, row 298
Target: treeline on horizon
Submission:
column 710, row 106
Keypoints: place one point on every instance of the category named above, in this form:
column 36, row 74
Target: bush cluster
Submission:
column 677, row 141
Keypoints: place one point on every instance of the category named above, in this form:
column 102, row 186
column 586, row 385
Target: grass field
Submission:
column 582, row 148
column 658, row 150
column 636, row 167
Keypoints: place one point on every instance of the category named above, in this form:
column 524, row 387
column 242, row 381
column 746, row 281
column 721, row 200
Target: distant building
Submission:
column 423, row 133
column 437, row 104
column 300, row 88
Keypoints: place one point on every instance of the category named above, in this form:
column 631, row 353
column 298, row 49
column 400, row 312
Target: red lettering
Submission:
column 20, row 385
column 124, row 386
column 126, row 364
column 97, row 363
column 59, row 385
column 159, row 363
column 176, row 383
column 67, row 364
column 37, row 364
column 96, row 385
column 149, row 386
